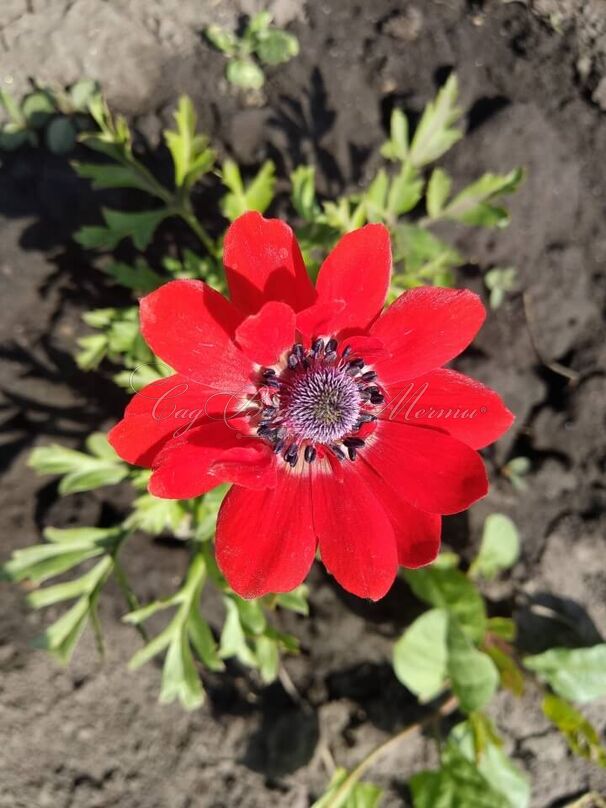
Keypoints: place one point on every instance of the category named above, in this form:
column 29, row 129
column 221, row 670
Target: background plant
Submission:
column 260, row 45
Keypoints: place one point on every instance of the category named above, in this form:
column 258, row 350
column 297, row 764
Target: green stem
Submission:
column 184, row 211
column 343, row 792
column 129, row 594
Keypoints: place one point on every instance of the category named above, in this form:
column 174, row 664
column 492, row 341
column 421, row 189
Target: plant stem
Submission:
column 129, row 595
column 342, row 793
column 188, row 216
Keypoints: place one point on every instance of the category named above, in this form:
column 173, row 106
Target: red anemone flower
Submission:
column 333, row 419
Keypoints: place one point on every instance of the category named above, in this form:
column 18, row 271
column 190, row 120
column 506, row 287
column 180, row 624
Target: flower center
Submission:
column 317, row 401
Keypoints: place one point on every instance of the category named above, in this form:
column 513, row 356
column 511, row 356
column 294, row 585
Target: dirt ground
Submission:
column 533, row 78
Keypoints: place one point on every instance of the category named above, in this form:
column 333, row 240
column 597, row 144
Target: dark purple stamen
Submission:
column 291, row 455
column 331, row 345
column 310, row 453
column 354, row 443
column 317, row 346
column 352, row 453
column 369, row 376
column 338, row 452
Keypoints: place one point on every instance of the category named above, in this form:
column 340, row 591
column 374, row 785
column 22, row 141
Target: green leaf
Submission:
column 62, row 636
column 222, row 40
column 268, row 658
column 106, row 175
column 303, row 194
column 494, row 765
column 473, row 206
column 12, row 108
column 581, row 736
column 450, row 589
column 436, row 132
column 420, row 249
column 376, row 197
column 473, row 674
column 457, row 784
column 499, row 281
column 98, row 445
column 578, row 674
column 499, row 548
column 396, row 148
column 40, row 562
column 60, row 135
column 273, row 47
column 203, row 641
column 82, row 472
column 82, row 93
column 503, row 627
column 256, row 195
column 356, row 795
column 180, row 679
column 405, row 191
column 258, row 23
column 420, row 656
column 294, row 601
column 233, row 640
column 190, row 151
column 120, row 225
column 38, row 107
column 13, row 135
column 93, row 350
column 157, row 516
column 438, row 191
column 245, row 73
column 140, row 277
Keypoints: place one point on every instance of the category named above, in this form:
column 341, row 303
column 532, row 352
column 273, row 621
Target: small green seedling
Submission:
column 46, row 115
column 261, row 45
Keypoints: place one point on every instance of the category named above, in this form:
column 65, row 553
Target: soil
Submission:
column 93, row 735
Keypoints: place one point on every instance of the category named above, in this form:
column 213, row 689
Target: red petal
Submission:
column 208, row 455
column 263, row 262
column 424, row 328
column 433, row 471
column 417, row 532
column 191, row 327
column 265, row 336
column 265, row 540
column 449, row 401
column 163, row 410
column 356, row 538
column 352, row 283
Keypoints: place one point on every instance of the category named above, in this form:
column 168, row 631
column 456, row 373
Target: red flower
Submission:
column 334, row 421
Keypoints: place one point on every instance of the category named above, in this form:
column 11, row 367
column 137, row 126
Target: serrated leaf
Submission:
column 581, row 736
column 255, row 195
column 83, row 472
column 376, row 197
column 233, row 640
column 473, row 206
column 450, row 589
column 190, row 151
column 203, row 641
column 405, row 192
column 436, row 132
column 140, row 277
column 98, row 445
column 42, row 561
column 438, row 190
column 180, row 679
column 156, row 516
column 396, row 148
column 120, row 225
column 245, row 73
column 303, row 194
column 420, row 656
column 106, row 175
column 92, row 351
column 577, row 674
column 419, row 248
column 474, row 677
column 499, row 548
